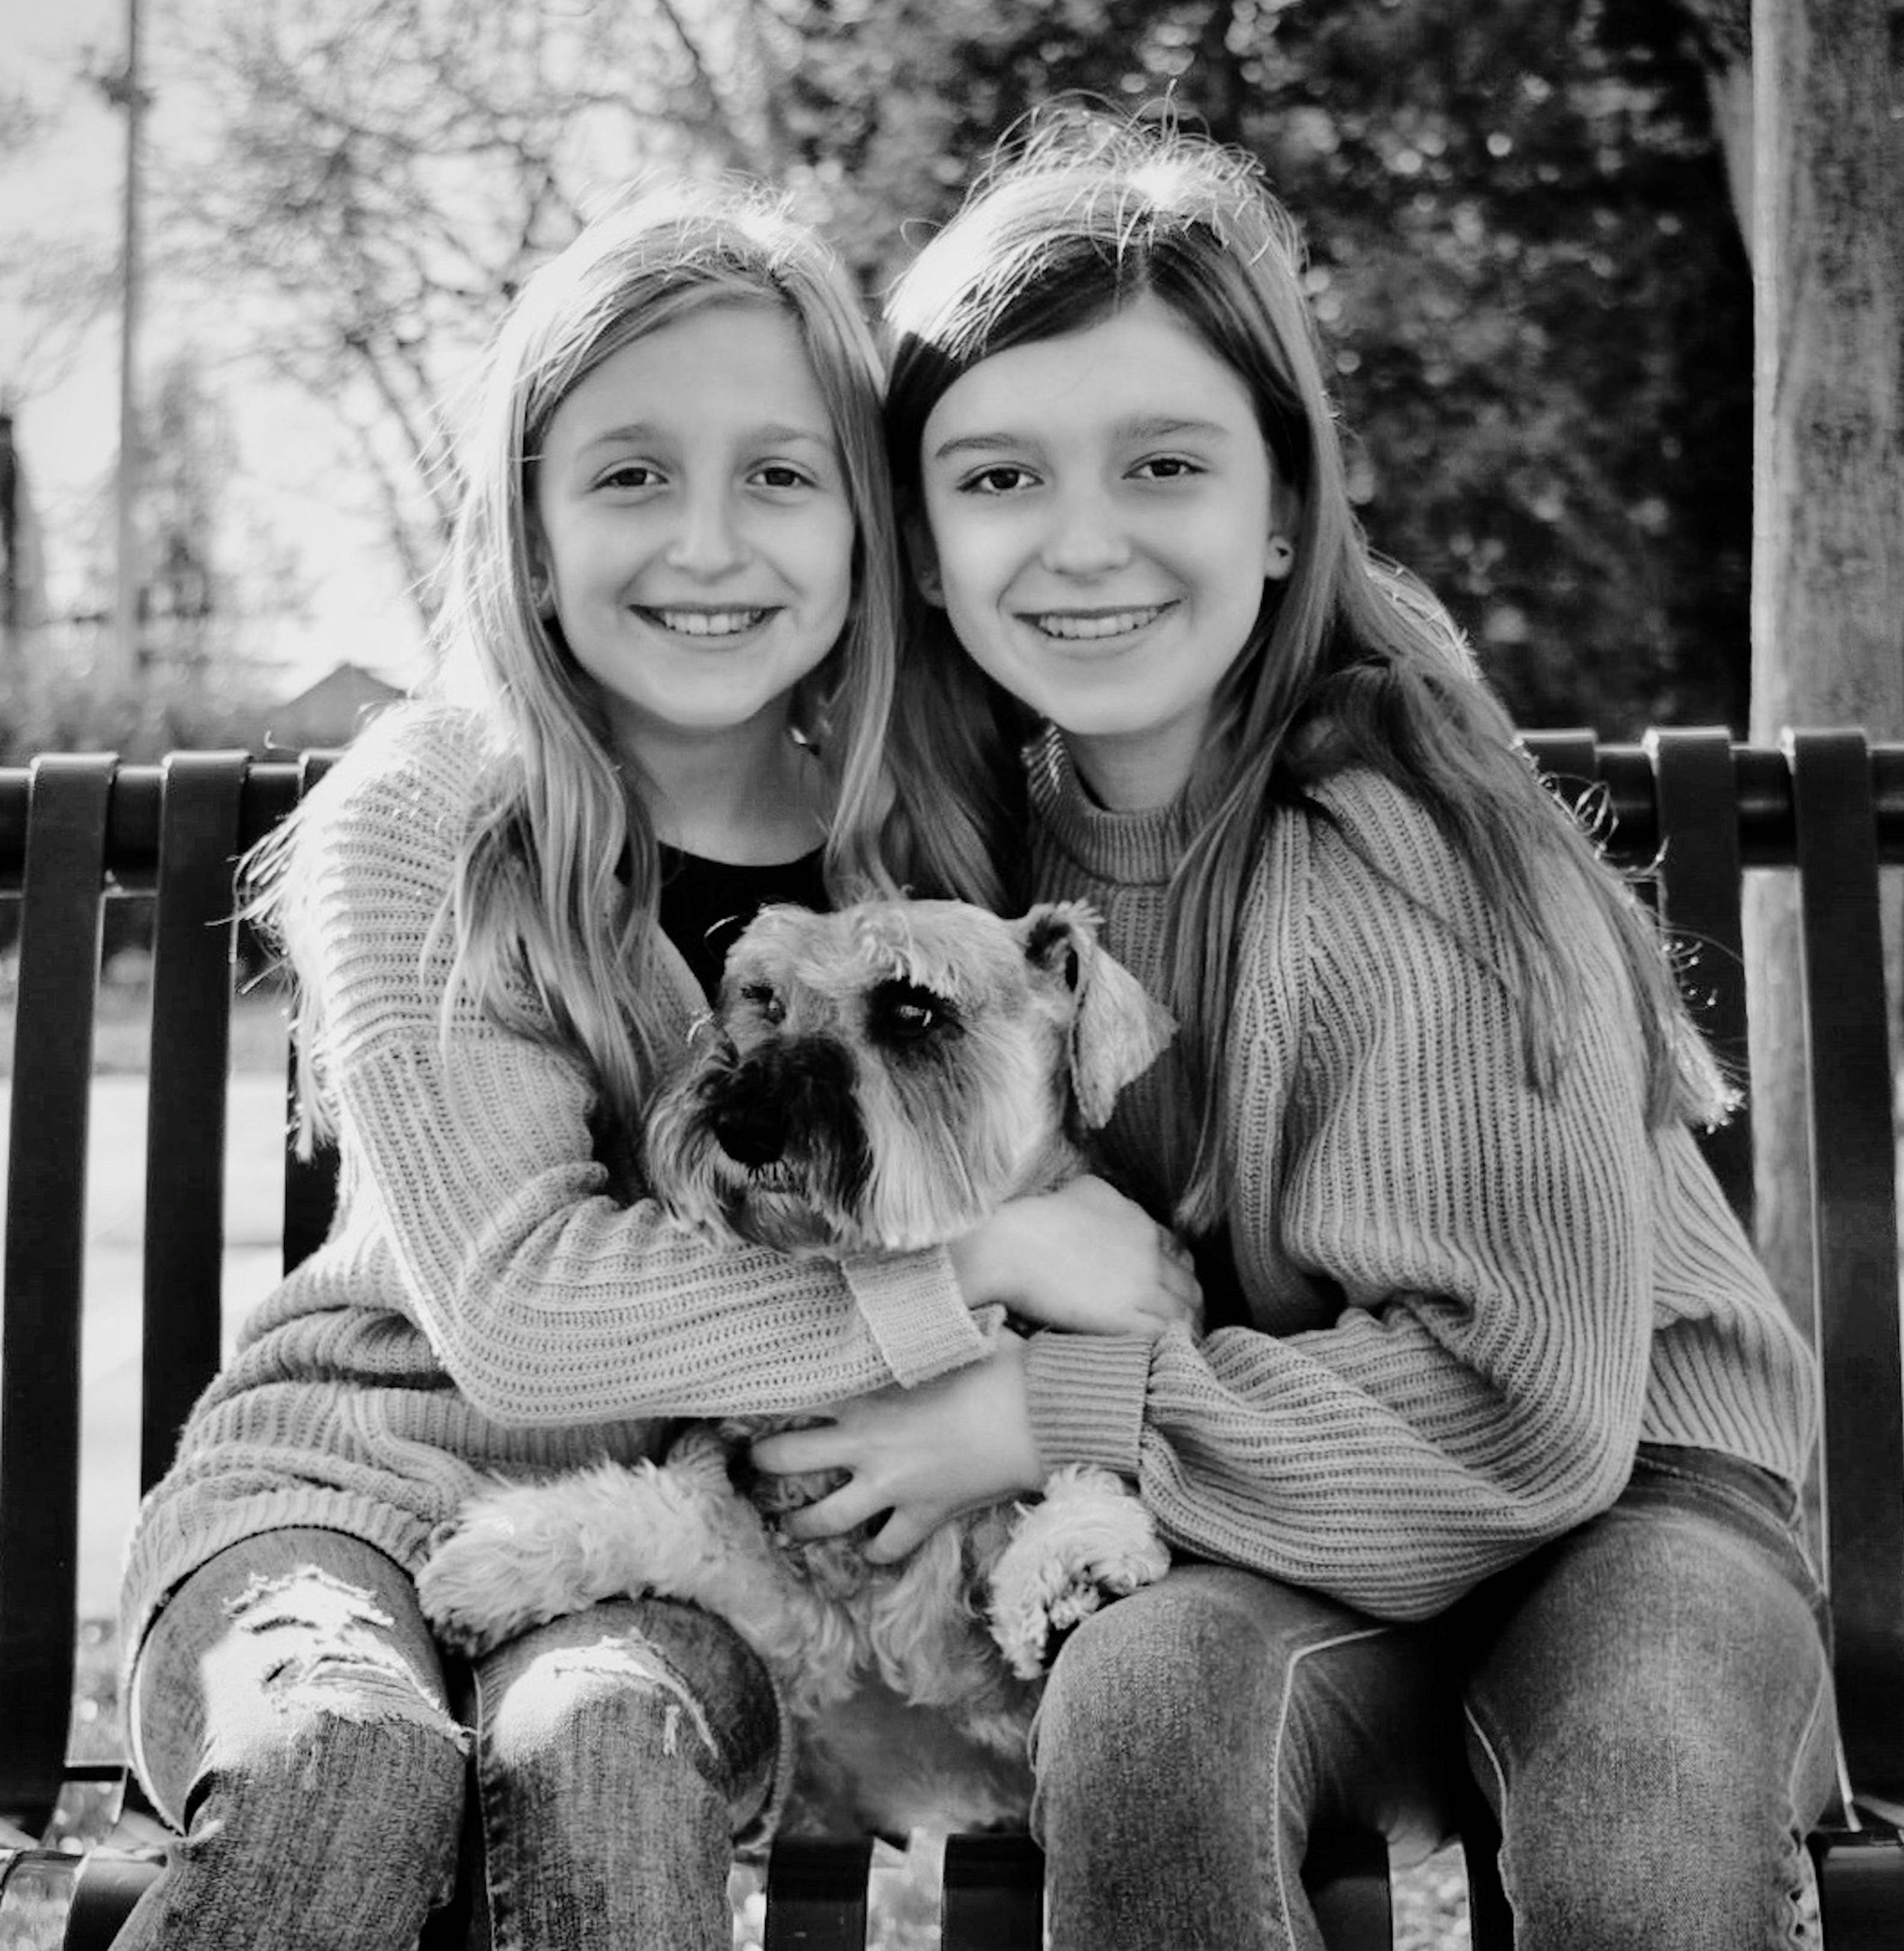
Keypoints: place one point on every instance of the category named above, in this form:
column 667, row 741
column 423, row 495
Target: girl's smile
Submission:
column 1101, row 508
column 1080, row 626
column 710, row 623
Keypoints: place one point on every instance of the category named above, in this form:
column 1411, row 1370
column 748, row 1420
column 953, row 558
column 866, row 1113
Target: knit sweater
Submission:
column 485, row 1301
column 1468, row 1299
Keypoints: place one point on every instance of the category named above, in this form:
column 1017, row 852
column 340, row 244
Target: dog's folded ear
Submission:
column 1117, row 1030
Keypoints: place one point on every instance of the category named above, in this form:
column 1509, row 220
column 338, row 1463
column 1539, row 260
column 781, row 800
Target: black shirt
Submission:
column 705, row 903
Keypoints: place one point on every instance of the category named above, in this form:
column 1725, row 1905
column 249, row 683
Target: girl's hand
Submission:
column 1084, row 1258
column 920, row 1455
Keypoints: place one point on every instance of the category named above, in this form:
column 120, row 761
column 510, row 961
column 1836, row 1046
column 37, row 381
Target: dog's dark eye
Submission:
column 904, row 1013
column 761, row 995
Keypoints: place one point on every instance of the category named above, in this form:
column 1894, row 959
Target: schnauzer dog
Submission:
column 874, row 1080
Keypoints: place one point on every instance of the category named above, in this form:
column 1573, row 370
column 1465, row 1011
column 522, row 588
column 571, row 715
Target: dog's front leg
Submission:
column 523, row 1553
column 1089, row 1540
column 520, row 1554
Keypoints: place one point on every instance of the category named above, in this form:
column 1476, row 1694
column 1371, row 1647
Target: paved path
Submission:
column 115, row 1226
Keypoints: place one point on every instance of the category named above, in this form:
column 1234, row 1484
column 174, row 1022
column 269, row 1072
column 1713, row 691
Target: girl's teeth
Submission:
column 708, row 623
column 1110, row 623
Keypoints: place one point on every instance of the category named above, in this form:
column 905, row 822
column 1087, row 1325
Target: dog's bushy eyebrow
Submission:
column 891, row 952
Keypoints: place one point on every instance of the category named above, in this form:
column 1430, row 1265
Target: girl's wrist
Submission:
column 970, row 1255
column 980, row 1261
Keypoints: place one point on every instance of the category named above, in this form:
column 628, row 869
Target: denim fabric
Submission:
column 619, row 1752
column 291, row 1719
column 1645, row 1703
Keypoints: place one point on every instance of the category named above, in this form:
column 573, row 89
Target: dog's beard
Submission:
column 773, row 1208
column 808, row 1201
column 831, row 1193
column 919, row 1198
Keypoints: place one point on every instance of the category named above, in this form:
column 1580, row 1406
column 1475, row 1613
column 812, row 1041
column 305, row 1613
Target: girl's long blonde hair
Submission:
column 551, row 915
column 1350, row 662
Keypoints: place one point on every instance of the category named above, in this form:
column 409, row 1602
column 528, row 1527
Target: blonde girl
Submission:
column 666, row 666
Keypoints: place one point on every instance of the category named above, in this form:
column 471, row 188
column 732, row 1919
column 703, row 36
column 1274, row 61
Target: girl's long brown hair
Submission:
column 1351, row 663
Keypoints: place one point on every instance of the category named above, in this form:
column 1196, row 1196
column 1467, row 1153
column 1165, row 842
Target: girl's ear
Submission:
column 924, row 559
column 541, row 584
column 542, row 595
column 1285, row 525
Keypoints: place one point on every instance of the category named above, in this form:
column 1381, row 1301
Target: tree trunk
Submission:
column 1723, row 30
column 1827, row 583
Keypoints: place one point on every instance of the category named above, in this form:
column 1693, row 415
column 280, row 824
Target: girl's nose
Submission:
column 707, row 541
column 1086, row 537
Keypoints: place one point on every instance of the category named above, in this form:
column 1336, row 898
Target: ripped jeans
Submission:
column 291, row 1719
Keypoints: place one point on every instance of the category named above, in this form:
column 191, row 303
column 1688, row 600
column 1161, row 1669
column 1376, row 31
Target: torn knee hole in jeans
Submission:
column 611, row 1660
column 340, row 1665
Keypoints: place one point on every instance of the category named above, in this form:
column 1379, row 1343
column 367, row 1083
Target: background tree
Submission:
column 186, row 468
column 1522, row 252
column 1813, row 98
column 1538, row 308
column 381, row 172
column 22, row 592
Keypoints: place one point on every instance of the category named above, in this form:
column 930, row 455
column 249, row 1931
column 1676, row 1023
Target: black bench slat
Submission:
column 1854, row 1165
column 1700, row 876
column 310, row 1184
column 993, row 1898
column 1346, row 1876
column 194, row 931
column 45, row 1267
column 817, row 1895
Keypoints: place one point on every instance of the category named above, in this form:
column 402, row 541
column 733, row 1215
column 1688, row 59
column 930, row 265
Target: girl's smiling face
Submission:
column 1103, row 514
column 695, row 526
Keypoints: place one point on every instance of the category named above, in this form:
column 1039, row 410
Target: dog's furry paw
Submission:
column 1089, row 1541
column 509, row 1562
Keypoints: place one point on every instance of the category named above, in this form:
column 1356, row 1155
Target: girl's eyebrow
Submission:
column 771, row 433
column 1139, row 427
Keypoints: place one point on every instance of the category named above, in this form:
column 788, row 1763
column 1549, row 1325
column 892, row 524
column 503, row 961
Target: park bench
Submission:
column 77, row 831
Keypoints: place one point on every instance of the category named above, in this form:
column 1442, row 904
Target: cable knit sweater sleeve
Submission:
column 469, row 1161
column 1449, row 1272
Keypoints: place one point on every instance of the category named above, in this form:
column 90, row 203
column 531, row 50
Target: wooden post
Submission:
column 1827, row 585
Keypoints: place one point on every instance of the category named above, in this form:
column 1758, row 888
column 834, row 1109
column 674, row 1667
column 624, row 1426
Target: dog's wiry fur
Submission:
column 875, row 1080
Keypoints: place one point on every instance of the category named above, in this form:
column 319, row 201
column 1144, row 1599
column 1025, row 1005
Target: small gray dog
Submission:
column 875, row 1080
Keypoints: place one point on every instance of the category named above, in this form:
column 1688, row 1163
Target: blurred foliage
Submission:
column 1523, row 258
column 55, row 707
column 377, row 176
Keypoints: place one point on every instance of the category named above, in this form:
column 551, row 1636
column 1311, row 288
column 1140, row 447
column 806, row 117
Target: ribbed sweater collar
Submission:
column 1131, row 849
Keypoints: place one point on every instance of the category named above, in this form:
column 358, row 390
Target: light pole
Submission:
column 124, row 90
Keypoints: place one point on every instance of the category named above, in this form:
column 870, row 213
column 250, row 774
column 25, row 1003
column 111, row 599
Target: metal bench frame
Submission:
column 78, row 831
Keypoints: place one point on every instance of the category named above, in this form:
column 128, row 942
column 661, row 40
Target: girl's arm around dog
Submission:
column 1469, row 1296
column 472, row 1200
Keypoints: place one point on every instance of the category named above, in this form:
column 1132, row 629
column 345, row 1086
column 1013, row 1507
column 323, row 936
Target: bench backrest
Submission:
column 77, row 831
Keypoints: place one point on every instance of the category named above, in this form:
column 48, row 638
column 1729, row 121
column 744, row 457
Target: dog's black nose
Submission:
column 794, row 1097
column 749, row 1127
